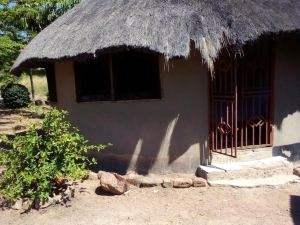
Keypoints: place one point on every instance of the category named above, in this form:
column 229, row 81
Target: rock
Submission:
column 93, row 176
column 151, row 182
column 297, row 171
column 26, row 205
column 57, row 199
column 17, row 205
column 168, row 183
column 38, row 102
column 100, row 174
column 47, row 204
column 113, row 183
column 19, row 127
column 68, row 194
column 134, row 179
column 199, row 182
column 182, row 183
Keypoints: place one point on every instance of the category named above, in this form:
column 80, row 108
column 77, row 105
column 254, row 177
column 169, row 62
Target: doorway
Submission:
column 241, row 94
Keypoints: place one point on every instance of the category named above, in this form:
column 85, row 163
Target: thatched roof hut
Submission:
column 163, row 26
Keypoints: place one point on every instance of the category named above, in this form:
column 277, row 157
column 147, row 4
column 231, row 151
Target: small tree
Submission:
column 15, row 96
column 39, row 159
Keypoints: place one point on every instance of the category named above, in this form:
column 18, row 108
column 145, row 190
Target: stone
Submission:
column 113, row 183
column 47, row 204
column 93, row 176
column 134, row 179
column 19, row 127
column 68, row 194
column 38, row 102
column 199, row 182
column 182, row 183
column 26, row 205
column 57, row 199
column 151, row 182
column 297, row 171
column 167, row 183
column 100, row 174
column 17, row 205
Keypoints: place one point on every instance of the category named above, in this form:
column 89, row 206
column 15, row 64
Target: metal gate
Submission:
column 240, row 102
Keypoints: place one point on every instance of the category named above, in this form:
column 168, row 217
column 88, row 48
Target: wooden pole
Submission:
column 32, row 86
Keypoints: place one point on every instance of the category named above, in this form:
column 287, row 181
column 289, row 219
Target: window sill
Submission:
column 120, row 101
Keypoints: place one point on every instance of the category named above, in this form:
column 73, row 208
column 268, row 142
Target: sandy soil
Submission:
column 268, row 206
column 16, row 121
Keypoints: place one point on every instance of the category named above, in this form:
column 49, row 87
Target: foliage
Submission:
column 20, row 21
column 15, row 96
column 39, row 159
column 9, row 50
column 31, row 16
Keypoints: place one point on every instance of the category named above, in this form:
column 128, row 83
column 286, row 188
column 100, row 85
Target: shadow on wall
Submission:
column 160, row 136
column 291, row 152
column 287, row 97
column 295, row 209
column 157, row 146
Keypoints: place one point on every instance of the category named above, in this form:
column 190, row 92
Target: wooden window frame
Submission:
column 113, row 91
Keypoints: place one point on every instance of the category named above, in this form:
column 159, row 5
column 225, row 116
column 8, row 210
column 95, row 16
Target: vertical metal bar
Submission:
column 260, row 135
column 242, row 108
column 217, row 146
column 232, row 127
column 227, row 118
column 267, row 133
column 253, row 135
column 246, row 123
column 235, row 102
column 221, row 108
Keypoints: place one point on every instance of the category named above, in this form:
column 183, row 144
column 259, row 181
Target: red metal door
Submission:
column 223, row 123
column 240, row 101
column 255, row 96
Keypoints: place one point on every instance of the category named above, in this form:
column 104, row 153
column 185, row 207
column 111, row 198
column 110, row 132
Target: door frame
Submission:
column 272, row 70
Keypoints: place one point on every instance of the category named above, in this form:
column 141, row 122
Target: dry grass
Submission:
column 39, row 82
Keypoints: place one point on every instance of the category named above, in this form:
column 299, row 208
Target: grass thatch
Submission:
column 164, row 26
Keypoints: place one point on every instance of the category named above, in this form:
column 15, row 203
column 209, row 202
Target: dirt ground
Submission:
column 17, row 121
column 268, row 206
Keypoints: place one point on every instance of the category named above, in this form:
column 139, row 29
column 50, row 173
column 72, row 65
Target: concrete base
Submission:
column 243, row 156
column 252, row 183
column 258, row 169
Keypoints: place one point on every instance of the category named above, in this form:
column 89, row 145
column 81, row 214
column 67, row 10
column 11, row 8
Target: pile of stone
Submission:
column 297, row 171
column 62, row 198
column 116, row 184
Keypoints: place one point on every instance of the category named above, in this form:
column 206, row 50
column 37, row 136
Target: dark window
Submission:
column 120, row 76
column 93, row 80
column 50, row 74
column 136, row 76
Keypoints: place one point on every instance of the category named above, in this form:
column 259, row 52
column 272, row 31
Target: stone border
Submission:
column 151, row 180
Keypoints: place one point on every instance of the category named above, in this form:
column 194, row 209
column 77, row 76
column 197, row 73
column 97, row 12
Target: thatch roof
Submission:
column 164, row 26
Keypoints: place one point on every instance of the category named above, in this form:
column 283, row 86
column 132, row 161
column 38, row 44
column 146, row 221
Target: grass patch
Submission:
column 39, row 83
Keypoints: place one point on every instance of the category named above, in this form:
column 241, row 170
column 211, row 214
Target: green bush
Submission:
column 15, row 96
column 39, row 159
